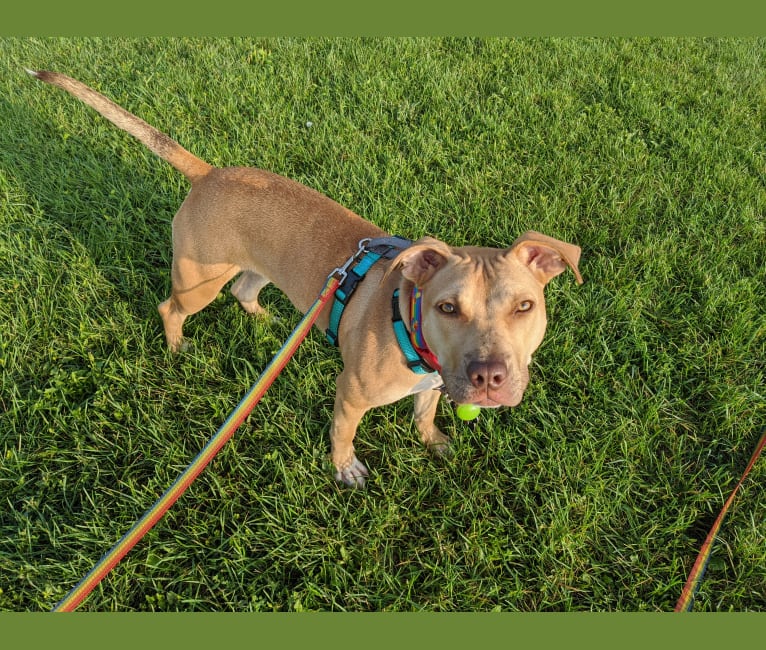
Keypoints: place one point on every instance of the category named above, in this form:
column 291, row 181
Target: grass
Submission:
column 646, row 398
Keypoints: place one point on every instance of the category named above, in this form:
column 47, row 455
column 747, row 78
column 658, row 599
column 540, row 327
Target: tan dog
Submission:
column 483, row 311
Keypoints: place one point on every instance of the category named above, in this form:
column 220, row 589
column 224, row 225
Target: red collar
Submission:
column 416, row 329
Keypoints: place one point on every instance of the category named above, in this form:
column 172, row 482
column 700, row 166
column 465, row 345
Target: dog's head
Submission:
column 483, row 310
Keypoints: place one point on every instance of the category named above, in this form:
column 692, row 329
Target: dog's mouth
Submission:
column 485, row 398
column 489, row 403
column 494, row 401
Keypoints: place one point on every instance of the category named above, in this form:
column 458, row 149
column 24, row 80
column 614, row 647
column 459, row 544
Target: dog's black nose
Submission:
column 488, row 375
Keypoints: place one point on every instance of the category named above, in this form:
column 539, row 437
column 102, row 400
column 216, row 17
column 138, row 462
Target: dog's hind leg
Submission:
column 246, row 290
column 194, row 287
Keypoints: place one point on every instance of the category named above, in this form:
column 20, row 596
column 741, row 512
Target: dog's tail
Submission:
column 162, row 145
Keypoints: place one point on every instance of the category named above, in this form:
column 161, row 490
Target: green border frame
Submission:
column 394, row 17
column 381, row 630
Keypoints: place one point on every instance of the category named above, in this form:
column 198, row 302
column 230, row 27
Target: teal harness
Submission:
column 352, row 273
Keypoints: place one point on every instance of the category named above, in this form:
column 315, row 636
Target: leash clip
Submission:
column 341, row 272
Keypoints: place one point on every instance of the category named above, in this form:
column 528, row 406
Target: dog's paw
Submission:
column 437, row 443
column 442, row 448
column 354, row 475
column 178, row 345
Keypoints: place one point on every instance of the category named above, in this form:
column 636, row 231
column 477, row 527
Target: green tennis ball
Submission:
column 467, row 411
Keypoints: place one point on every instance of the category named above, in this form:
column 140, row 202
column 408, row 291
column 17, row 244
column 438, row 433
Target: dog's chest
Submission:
column 431, row 381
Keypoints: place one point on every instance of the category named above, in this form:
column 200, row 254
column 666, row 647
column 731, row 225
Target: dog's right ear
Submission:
column 419, row 262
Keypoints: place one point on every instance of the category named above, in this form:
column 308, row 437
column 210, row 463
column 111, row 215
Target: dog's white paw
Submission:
column 442, row 448
column 436, row 442
column 354, row 475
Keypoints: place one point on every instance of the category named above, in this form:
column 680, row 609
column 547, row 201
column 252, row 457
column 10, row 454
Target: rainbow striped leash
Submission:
column 686, row 601
column 81, row 591
column 73, row 599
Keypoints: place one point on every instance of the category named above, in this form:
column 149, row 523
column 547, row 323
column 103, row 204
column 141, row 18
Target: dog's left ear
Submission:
column 420, row 261
column 546, row 257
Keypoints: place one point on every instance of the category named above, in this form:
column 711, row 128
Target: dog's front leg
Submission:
column 346, row 417
column 425, row 412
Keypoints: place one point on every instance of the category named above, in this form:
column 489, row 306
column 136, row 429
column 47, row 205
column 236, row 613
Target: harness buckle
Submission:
column 341, row 272
column 354, row 270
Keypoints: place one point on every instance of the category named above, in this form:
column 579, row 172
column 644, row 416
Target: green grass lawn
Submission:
column 646, row 397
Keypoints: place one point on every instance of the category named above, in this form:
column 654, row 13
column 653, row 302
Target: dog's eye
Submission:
column 525, row 305
column 447, row 308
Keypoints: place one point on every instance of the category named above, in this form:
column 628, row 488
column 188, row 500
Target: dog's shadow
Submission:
column 102, row 187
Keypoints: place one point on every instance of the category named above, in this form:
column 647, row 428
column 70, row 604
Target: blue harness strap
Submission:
column 353, row 277
column 355, row 270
